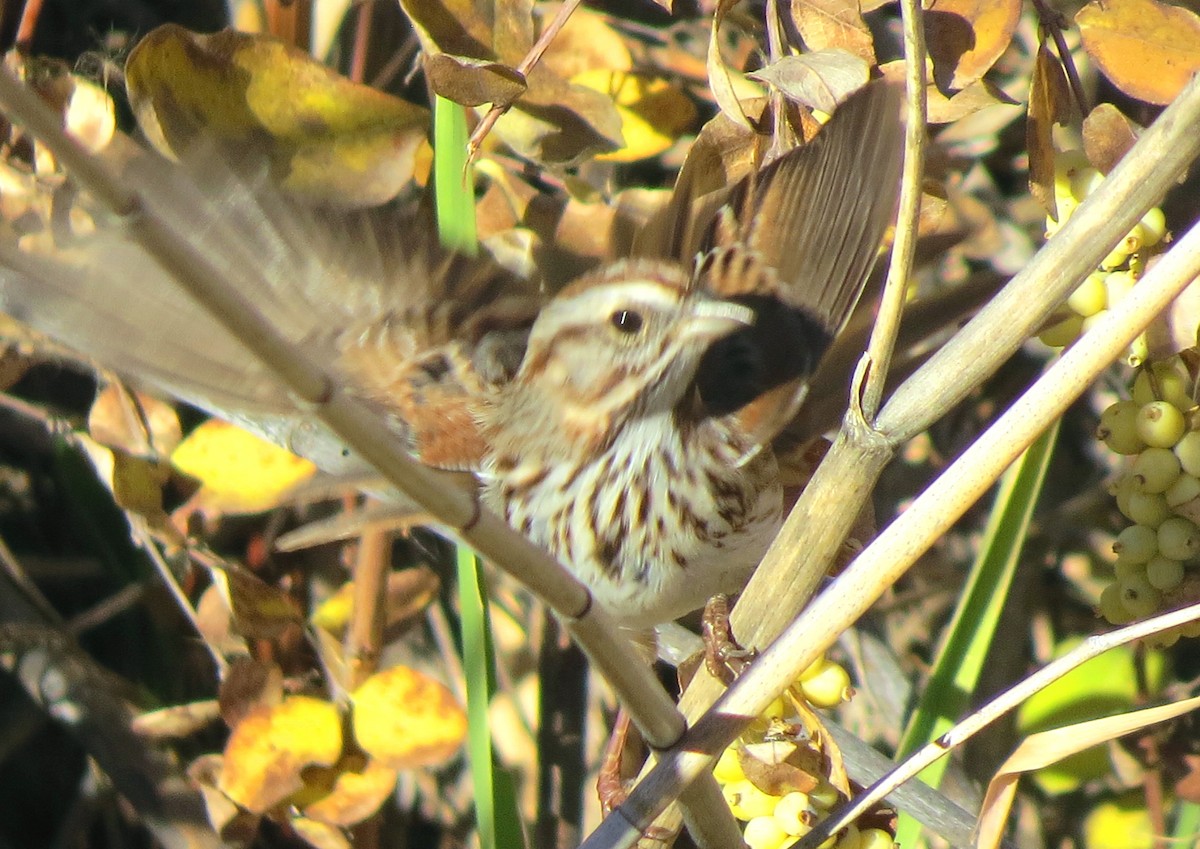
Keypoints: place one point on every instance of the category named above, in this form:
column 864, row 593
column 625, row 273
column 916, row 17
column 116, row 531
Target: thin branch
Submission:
column 891, row 307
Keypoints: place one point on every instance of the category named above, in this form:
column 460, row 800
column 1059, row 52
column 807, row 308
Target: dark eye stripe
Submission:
column 626, row 321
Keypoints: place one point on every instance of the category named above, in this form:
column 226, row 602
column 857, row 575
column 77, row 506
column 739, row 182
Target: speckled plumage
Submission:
column 598, row 454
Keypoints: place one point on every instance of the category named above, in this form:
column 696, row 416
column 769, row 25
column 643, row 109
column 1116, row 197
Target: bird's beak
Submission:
column 711, row 319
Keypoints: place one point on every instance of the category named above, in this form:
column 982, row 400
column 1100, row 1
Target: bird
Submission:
column 624, row 423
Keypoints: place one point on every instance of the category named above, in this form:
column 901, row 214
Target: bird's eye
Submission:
column 626, row 321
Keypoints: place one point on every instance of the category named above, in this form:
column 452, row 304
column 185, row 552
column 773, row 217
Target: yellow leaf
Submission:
column 966, row 37
column 653, row 112
column 1122, row 823
column 1148, row 49
column 335, row 140
column 270, row 747
column 240, row 472
column 405, row 719
column 355, row 795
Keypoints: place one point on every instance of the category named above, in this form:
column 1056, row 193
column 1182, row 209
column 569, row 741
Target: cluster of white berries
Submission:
column 1074, row 180
column 1159, row 491
column 776, row 815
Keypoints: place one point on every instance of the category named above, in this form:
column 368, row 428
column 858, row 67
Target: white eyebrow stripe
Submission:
column 648, row 292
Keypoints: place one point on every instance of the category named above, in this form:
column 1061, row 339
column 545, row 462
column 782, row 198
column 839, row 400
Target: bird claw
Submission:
column 724, row 657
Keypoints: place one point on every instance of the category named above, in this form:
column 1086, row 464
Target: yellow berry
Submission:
column 728, row 768
column 829, row 687
column 1125, row 569
column 1118, row 428
column 1164, row 573
column 1069, row 165
column 1116, row 257
column 1160, row 424
column 1185, row 489
column 875, row 838
column 1155, row 469
column 1147, row 508
column 1166, row 380
column 1112, row 608
column 813, row 668
column 1179, row 538
column 775, row 710
column 1187, row 449
column 1091, row 297
column 793, row 813
column 1138, row 352
column 746, row 801
column 1063, row 332
column 1154, row 227
column 850, row 839
column 1164, row 639
column 1085, row 181
column 1139, row 597
column 1136, row 544
column 764, row 833
column 1118, row 284
column 824, row 796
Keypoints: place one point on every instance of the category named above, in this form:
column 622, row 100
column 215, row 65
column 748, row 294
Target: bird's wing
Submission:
column 796, row 241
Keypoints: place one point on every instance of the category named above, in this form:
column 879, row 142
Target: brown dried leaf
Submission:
column 138, row 424
column 334, row 140
column 941, row 109
column 719, row 78
column 177, row 720
column 320, row 835
column 260, row 611
column 268, row 750
column 781, row 767
column 1049, row 104
column 473, row 82
column 966, row 37
column 471, row 28
column 722, row 153
column 1188, row 787
column 559, row 122
column 834, row 23
column 553, row 122
column 819, row 80
column 214, row 620
column 236, row 827
column 1149, row 50
column 1107, row 136
column 249, row 684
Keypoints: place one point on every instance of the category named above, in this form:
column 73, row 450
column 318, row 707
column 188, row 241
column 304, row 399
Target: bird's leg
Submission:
column 724, row 658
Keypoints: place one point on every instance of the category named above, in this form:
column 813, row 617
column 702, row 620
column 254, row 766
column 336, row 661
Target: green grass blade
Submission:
column 454, row 195
column 970, row 633
column 499, row 821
